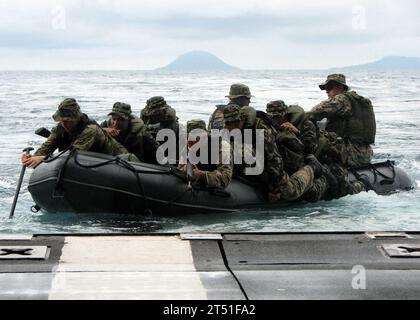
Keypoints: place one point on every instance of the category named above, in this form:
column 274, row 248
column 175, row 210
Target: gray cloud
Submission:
column 251, row 33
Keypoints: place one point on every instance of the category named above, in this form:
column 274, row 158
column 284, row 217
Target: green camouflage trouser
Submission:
column 358, row 154
column 331, row 149
column 350, row 154
column 292, row 188
column 317, row 191
column 345, row 187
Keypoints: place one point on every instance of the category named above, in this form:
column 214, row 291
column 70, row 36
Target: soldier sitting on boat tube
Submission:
column 75, row 130
column 204, row 172
column 130, row 131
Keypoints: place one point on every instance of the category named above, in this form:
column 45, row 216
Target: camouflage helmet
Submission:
column 157, row 110
column 276, row 108
column 122, row 110
column 68, row 110
column 238, row 90
column 196, row 124
column 232, row 113
column 338, row 78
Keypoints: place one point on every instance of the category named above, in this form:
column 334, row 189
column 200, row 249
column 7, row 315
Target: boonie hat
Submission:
column 68, row 110
column 238, row 90
column 122, row 110
column 339, row 78
column 276, row 108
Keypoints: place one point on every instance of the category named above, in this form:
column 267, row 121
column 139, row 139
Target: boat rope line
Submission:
column 131, row 168
column 387, row 180
column 163, row 202
column 74, row 153
column 51, row 158
column 58, row 190
column 125, row 165
column 376, row 173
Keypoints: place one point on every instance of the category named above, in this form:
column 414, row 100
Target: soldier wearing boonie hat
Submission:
column 68, row 110
column 196, row 124
column 74, row 131
column 158, row 115
column 199, row 126
column 238, row 90
column 349, row 116
column 208, row 174
column 130, row 131
column 122, row 110
column 334, row 79
column 277, row 108
column 276, row 181
column 157, row 111
column 239, row 94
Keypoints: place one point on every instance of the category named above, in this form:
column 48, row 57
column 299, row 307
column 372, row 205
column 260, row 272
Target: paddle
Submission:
column 190, row 174
column 22, row 174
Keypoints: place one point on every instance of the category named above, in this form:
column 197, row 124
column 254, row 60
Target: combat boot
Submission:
column 331, row 179
column 340, row 175
column 313, row 162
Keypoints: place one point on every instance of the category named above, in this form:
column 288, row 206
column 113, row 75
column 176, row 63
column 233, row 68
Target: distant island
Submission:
column 389, row 63
column 198, row 61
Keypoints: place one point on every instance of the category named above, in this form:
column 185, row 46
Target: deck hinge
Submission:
column 387, row 235
column 402, row 250
column 201, row 236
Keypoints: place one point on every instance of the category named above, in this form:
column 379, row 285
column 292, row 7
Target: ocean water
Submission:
column 28, row 99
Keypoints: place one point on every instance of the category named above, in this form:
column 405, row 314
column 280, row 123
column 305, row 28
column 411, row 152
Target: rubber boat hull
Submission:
column 86, row 182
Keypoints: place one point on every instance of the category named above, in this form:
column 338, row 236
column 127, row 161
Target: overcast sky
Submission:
column 250, row 34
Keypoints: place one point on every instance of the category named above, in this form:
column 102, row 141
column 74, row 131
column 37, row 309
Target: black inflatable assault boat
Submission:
column 86, row 182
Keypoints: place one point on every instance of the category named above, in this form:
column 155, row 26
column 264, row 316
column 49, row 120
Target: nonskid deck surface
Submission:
column 224, row 267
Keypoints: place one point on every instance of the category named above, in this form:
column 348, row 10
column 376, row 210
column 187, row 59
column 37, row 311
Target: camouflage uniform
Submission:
column 158, row 115
column 291, row 147
column 294, row 148
column 237, row 90
column 274, row 177
column 87, row 136
column 135, row 138
column 217, row 175
column 352, row 118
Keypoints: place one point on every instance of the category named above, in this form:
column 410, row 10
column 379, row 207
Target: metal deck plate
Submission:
column 387, row 235
column 201, row 236
column 23, row 253
column 402, row 250
column 15, row 237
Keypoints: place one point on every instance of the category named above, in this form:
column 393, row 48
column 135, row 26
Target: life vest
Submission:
column 296, row 116
column 217, row 120
column 65, row 139
column 208, row 166
column 133, row 140
column 361, row 126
